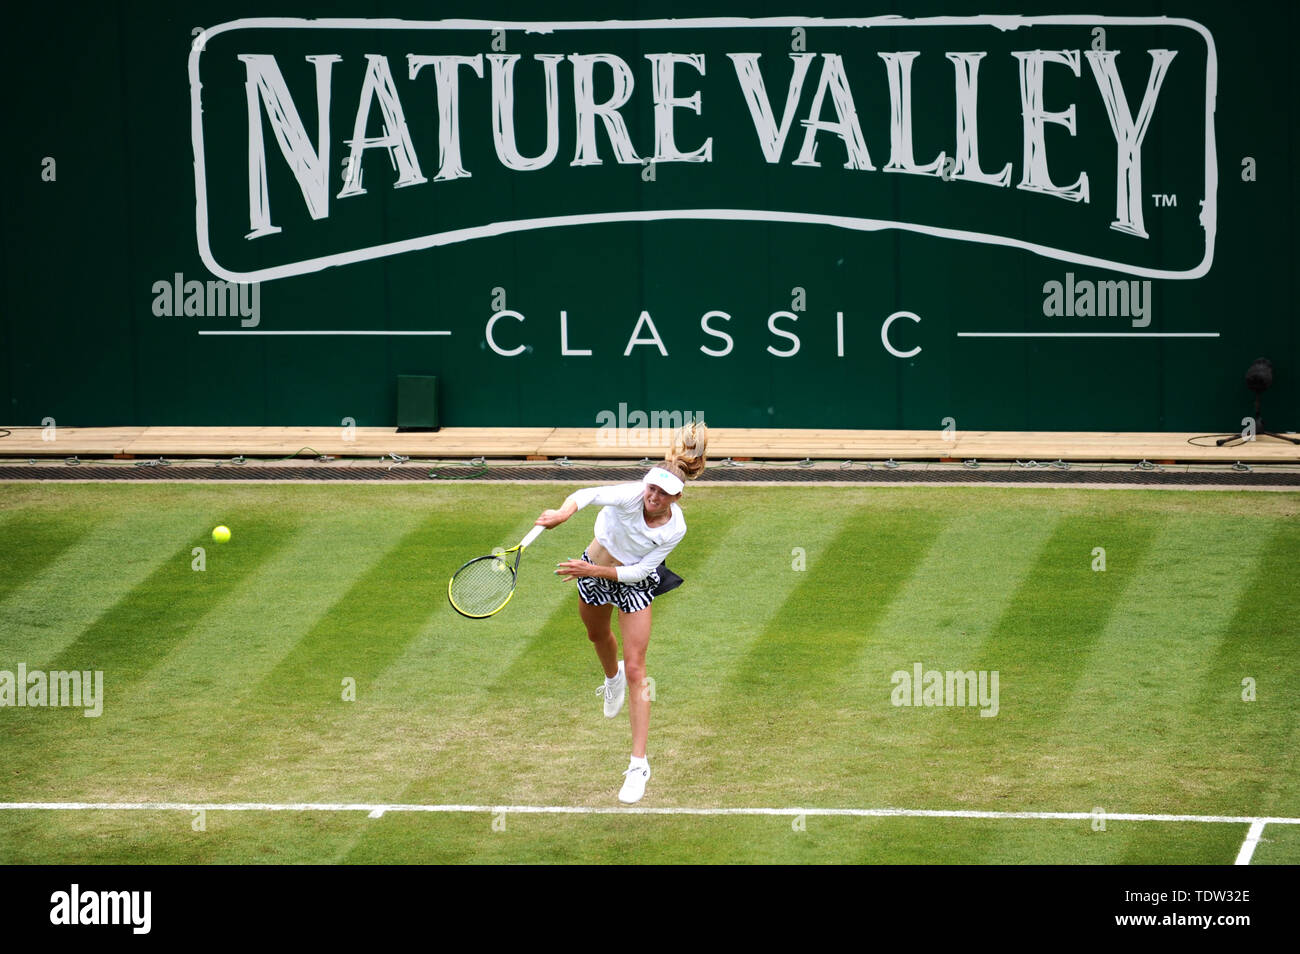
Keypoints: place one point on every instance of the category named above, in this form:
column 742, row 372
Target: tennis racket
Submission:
column 483, row 586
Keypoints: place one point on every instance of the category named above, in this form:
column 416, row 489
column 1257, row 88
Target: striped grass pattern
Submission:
column 314, row 658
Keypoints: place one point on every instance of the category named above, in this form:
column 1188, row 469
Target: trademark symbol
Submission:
column 1163, row 201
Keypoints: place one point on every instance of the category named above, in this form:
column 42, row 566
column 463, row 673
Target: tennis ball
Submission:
column 221, row 534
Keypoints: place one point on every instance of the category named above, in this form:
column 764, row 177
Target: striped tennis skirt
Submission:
column 628, row 597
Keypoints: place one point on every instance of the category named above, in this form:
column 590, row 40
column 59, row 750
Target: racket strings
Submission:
column 482, row 586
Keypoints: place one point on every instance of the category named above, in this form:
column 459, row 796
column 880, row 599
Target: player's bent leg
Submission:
column 614, row 689
column 597, row 620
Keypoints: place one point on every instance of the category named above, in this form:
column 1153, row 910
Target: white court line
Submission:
column 379, row 810
column 1252, row 840
column 376, row 332
column 1069, row 334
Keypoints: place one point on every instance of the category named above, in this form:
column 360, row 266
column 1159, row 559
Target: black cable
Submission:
column 299, row 451
column 1211, row 437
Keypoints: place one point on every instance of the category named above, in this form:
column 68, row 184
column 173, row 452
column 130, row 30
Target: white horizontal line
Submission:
column 378, row 810
column 324, row 332
column 1087, row 334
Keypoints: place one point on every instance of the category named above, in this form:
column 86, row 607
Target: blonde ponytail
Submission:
column 686, row 458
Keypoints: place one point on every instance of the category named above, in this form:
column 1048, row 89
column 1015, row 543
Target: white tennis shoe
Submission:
column 614, row 690
column 634, row 780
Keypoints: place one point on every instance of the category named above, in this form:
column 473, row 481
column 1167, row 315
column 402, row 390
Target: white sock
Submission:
column 614, row 678
column 638, row 763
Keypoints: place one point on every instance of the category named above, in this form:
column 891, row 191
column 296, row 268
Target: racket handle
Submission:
column 533, row 534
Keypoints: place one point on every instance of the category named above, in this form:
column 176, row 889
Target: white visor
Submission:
column 663, row 480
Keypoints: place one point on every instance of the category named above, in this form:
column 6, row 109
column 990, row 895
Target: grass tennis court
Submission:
column 1120, row 690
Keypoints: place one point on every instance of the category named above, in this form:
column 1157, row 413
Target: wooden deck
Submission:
column 555, row 442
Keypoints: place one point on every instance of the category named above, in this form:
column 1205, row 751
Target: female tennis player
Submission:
column 638, row 526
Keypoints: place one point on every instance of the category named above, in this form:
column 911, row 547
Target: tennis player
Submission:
column 623, row 568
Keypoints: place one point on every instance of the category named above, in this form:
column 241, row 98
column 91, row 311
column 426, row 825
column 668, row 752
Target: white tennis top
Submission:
column 621, row 528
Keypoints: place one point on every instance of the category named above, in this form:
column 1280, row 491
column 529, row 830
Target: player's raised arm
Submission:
column 553, row 518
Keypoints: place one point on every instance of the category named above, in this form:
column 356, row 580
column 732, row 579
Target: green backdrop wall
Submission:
column 834, row 185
